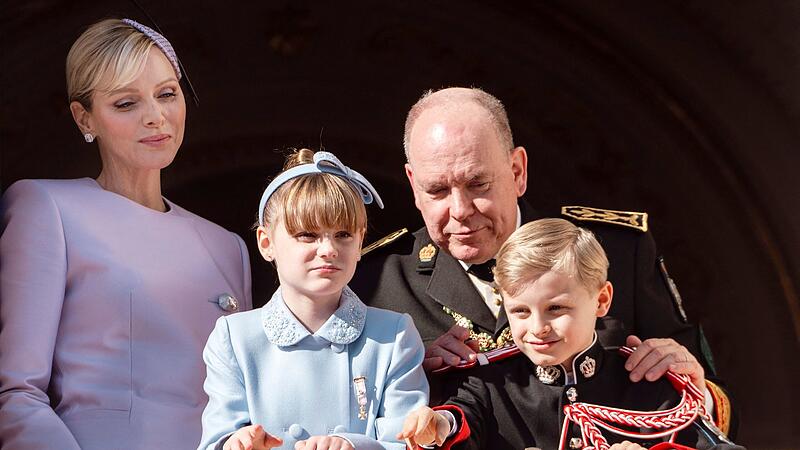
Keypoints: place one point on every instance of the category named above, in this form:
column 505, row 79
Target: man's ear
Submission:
column 604, row 299
column 519, row 167
column 264, row 243
column 410, row 176
column 82, row 117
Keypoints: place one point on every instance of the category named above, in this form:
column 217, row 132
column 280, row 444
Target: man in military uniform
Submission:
column 467, row 177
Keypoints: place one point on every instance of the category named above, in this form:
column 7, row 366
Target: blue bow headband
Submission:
column 324, row 162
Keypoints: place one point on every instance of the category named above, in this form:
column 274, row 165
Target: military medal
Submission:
column 360, row 384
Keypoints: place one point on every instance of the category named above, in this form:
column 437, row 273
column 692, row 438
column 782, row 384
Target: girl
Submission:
column 314, row 368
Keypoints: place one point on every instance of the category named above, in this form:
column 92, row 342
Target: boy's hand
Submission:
column 625, row 445
column 252, row 437
column 323, row 443
column 653, row 357
column 449, row 349
column 424, row 426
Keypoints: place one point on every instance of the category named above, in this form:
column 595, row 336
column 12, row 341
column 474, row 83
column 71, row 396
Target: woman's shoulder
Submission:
column 34, row 188
column 42, row 197
column 203, row 224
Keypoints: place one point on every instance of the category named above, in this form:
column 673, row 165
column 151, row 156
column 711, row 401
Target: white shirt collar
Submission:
column 342, row 327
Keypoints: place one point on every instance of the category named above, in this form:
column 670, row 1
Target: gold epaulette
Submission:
column 631, row 219
column 386, row 240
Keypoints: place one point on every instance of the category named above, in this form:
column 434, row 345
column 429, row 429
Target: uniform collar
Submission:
column 585, row 366
column 342, row 327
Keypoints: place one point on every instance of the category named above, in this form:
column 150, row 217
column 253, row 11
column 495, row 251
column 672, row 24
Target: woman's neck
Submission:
column 142, row 187
column 312, row 312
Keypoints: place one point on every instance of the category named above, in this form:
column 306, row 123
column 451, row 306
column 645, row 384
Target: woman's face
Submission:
column 139, row 126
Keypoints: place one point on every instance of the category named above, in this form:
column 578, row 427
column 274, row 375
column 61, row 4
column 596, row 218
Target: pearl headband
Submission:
column 324, row 162
column 160, row 41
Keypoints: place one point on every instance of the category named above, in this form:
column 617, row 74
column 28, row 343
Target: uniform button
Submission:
column 498, row 301
column 575, row 443
column 228, row 302
column 296, row 431
column 572, row 394
column 340, row 429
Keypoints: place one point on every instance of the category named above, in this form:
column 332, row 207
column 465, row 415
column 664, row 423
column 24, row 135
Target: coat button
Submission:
column 296, row 431
column 228, row 302
column 575, row 443
column 572, row 394
column 340, row 429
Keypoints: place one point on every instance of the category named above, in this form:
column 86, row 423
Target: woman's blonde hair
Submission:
column 550, row 244
column 316, row 200
column 108, row 55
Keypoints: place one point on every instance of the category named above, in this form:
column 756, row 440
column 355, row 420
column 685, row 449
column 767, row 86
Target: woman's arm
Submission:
column 33, row 267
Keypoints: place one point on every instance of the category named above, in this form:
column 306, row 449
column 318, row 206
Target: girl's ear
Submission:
column 604, row 299
column 264, row 243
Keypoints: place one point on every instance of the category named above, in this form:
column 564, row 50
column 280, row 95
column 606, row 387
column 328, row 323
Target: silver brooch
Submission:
column 575, row 443
column 228, row 302
column 547, row 374
column 572, row 394
column 360, row 385
column 587, row 367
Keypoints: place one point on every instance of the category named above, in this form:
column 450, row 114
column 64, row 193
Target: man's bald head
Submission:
column 464, row 172
column 457, row 98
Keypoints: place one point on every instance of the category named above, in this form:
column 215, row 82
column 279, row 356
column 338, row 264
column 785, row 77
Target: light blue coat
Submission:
column 264, row 367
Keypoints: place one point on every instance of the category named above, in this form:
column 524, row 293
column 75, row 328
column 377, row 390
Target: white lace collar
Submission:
column 342, row 327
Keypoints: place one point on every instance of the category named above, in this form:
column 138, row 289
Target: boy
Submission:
column 552, row 275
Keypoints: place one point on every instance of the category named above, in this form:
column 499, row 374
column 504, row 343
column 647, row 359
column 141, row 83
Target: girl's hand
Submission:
column 323, row 443
column 625, row 445
column 423, row 427
column 252, row 437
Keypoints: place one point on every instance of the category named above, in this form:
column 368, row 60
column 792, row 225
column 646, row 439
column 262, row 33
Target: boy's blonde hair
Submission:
column 550, row 244
column 316, row 200
column 107, row 56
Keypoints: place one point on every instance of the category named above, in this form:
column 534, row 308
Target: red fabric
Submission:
column 463, row 427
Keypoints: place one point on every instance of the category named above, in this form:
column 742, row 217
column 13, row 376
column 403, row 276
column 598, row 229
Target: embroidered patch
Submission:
column 587, row 367
column 547, row 374
column 427, row 253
